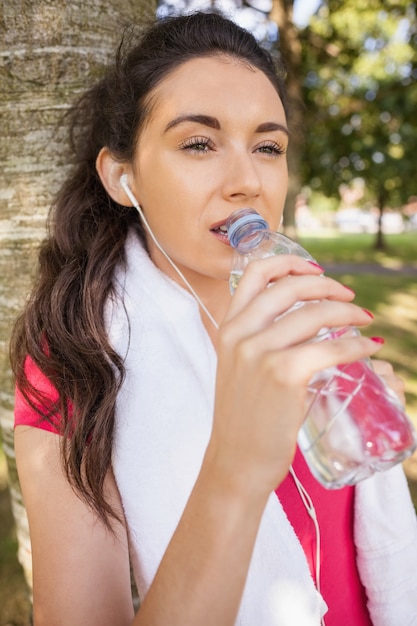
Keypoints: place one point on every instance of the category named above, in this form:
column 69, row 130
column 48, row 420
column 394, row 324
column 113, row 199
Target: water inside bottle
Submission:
column 234, row 279
column 354, row 425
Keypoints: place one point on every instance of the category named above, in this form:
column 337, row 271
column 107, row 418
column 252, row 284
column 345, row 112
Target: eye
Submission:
column 197, row 145
column 271, row 148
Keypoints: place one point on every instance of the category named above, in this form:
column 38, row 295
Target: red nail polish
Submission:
column 378, row 339
column 368, row 313
column 349, row 288
column 314, row 264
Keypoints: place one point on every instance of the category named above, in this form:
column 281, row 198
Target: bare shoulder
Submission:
column 80, row 569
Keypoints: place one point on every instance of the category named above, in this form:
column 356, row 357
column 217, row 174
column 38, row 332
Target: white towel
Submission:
column 386, row 540
column 163, row 423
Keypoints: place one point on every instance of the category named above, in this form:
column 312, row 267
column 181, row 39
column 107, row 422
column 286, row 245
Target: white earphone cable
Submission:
column 308, row 503
column 128, row 191
column 306, row 499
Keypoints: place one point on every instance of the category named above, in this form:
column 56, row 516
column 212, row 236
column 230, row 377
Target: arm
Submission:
column 81, row 571
column 263, row 371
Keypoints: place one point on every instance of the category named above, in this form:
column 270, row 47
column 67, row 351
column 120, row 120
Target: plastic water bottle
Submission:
column 354, row 424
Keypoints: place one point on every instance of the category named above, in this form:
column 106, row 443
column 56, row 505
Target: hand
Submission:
column 265, row 364
column 394, row 382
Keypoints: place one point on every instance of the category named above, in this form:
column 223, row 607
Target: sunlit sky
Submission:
column 303, row 9
column 246, row 16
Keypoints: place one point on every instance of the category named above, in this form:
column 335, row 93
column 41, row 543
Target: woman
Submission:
column 155, row 426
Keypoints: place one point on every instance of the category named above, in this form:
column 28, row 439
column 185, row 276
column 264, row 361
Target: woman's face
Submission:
column 214, row 142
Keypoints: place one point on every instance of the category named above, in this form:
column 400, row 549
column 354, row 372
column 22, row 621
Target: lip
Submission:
column 218, row 234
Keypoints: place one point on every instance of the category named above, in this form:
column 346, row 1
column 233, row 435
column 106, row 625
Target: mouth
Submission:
column 219, row 230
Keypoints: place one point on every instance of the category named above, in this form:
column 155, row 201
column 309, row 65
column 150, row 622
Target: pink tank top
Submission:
column 24, row 413
column 340, row 583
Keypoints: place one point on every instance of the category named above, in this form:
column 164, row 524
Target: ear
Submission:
column 110, row 170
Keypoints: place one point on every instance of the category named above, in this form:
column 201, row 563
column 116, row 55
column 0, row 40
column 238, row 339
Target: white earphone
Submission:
column 125, row 186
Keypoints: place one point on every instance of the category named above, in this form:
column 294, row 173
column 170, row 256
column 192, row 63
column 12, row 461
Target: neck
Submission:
column 217, row 302
column 212, row 294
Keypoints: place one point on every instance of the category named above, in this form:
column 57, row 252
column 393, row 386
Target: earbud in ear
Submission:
column 125, row 186
column 123, row 181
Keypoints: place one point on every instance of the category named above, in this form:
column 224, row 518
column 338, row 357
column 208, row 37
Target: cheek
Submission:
column 166, row 183
column 169, row 208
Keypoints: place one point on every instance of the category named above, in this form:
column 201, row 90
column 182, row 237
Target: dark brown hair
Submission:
column 62, row 327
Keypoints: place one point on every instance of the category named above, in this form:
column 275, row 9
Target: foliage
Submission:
column 360, row 89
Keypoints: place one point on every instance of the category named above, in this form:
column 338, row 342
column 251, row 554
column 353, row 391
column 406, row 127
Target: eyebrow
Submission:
column 267, row 127
column 213, row 122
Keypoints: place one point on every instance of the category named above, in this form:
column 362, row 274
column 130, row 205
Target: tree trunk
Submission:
column 50, row 51
column 290, row 51
column 380, row 240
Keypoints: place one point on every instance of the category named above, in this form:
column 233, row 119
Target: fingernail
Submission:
column 371, row 315
column 348, row 288
column 378, row 339
column 314, row 264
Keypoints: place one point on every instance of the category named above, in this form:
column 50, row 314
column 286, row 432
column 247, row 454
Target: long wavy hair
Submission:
column 62, row 327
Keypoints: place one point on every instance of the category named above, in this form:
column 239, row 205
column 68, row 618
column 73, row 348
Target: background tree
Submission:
column 290, row 51
column 360, row 61
column 49, row 51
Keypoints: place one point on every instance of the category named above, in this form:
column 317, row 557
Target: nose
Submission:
column 241, row 177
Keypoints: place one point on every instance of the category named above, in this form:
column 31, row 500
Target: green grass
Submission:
column 359, row 248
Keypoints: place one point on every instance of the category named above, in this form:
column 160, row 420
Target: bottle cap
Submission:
column 242, row 223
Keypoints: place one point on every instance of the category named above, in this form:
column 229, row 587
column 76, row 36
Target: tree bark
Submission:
column 50, row 51
column 290, row 51
column 380, row 239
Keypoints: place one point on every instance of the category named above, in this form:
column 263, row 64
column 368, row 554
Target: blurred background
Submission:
column 352, row 82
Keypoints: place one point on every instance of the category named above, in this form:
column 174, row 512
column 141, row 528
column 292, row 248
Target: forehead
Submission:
column 216, row 85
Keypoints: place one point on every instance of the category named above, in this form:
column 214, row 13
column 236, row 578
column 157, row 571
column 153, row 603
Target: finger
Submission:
column 288, row 291
column 267, row 304
column 281, row 296
column 296, row 365
column 295, row 329
column 260, row 273
column 383, row 368
column 396, row 384
column 304, row 324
